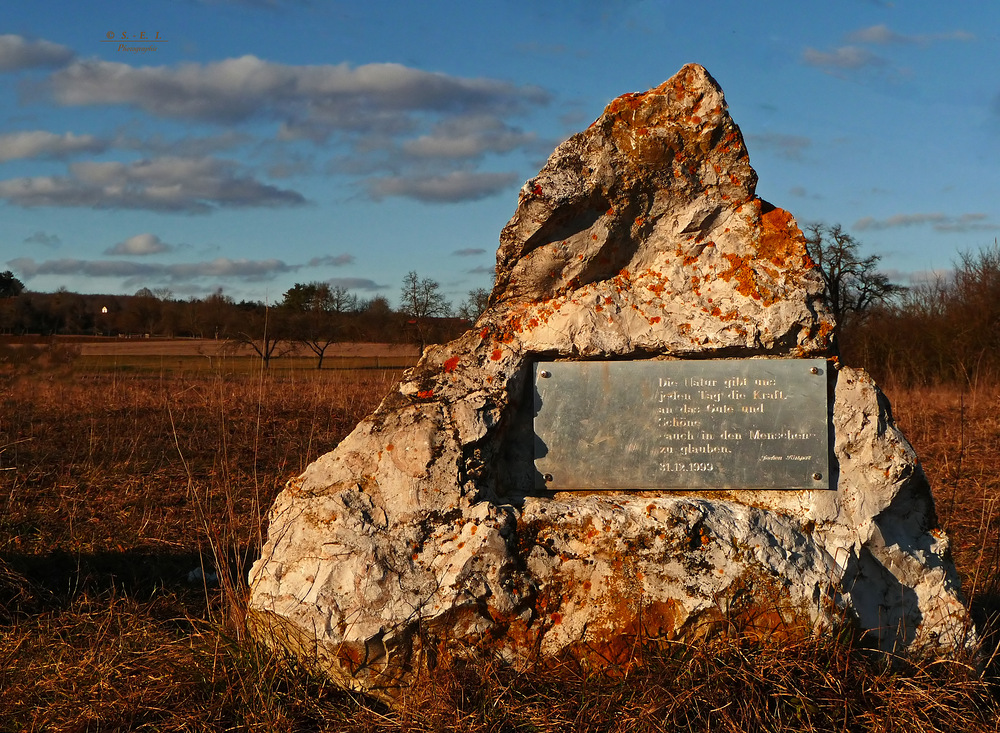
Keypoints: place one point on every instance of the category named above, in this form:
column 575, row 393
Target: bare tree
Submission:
column 262, row 328
column 474, row 305
column 853, row 283
column 317, row 314
column 319, row 296
column 341, row 300
column 422, row 298
column 209, row 317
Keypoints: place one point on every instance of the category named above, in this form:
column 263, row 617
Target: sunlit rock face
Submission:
column 422, row 537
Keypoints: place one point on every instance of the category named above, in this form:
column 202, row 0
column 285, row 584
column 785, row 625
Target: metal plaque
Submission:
column 708, row 424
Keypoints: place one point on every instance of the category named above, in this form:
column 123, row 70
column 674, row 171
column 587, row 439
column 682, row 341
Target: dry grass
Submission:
column 119, row 487
column 956, row 433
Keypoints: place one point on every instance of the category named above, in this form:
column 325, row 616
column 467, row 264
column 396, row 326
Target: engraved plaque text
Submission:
column 707, row 424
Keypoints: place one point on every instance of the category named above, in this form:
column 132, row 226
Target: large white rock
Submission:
column 422, row 536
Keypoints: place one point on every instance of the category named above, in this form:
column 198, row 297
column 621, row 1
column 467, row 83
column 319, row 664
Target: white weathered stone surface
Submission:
column 422, row 535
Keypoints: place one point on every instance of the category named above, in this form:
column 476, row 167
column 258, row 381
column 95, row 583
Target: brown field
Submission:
column 130, row 347
column 209, row 355
column 125, row 483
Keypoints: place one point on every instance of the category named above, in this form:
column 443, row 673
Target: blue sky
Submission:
column 260, row 143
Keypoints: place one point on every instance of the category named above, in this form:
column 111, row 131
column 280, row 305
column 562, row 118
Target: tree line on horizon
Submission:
column 315, row 314
column 943, row 331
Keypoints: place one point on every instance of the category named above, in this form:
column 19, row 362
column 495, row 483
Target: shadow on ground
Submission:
column 33, row 584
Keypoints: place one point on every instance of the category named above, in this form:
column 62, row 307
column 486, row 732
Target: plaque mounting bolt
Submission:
column 817, row 476
column 547, row 477
column 814, row 370
column 544, row 374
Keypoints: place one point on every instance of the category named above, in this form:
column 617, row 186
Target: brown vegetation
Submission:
column 126, row 490
column 310, row 317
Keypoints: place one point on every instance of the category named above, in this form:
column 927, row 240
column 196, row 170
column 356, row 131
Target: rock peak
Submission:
column 690, row 84
column 655, row 197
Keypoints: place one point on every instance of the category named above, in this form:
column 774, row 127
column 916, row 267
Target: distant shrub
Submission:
column 944, row 331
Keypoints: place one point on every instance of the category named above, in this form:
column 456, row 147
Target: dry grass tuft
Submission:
column 732, row 683
column 124, row 493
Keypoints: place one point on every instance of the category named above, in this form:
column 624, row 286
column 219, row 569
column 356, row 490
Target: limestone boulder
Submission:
column 423, row 536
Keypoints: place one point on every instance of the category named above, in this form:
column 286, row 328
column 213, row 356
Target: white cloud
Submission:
column 17, row 52
column 140, row 244
column 186, row 147
column 469, row 137
column 845, row 57
column 356, row 283
column 447, row 188
column 851, row 57
column 938, row 221
column 883, row 35
column 920, row 278
column 189, row 185
column 181, row 276
column 803, row 192
column 222, row 267
column 424, row 129
column 328, row 96
column 332, row 261
column 41, row 144
column 225, row 267
column 290, row 165
column 790, row 147
column 44, row 239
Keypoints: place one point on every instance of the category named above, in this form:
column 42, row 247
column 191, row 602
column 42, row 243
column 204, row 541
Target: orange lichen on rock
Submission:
column 748, row 282
column 688, row 260
column 780, row 240
column 628, row 102
column 678, row 84
column 825, row 332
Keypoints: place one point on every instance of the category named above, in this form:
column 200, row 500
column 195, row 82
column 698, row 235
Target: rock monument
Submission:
column 429, row 533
